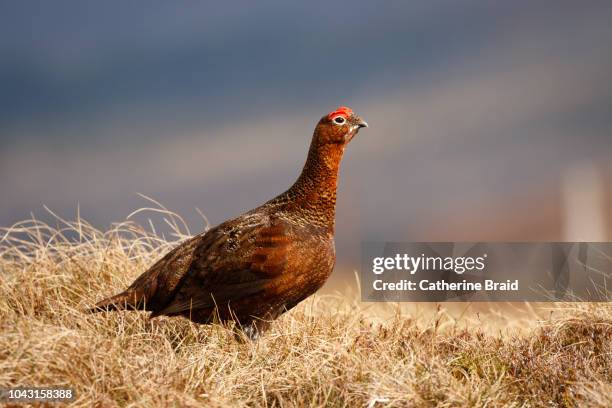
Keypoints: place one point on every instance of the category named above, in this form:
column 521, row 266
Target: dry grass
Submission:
column 331, row 350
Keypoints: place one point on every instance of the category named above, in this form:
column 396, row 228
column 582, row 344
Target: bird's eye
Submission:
column 339, row 120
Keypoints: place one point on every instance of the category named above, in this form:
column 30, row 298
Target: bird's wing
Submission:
column 234, row 261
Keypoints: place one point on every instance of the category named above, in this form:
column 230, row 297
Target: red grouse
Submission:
column 253, row 268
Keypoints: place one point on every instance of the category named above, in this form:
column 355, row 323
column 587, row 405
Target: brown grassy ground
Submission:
column 330, row 351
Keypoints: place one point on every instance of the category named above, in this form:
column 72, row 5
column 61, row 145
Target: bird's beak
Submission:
column 361, row 123
column 356, row 124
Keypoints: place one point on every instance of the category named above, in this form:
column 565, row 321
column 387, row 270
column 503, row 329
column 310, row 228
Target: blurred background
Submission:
column 488, row 120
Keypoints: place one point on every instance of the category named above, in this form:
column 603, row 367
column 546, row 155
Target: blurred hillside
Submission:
column 577, row 208
column 479, row 113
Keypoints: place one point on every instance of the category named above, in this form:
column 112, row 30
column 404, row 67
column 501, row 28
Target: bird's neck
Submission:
column 314, row 192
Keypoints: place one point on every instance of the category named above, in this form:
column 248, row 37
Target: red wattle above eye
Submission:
column 342, row 111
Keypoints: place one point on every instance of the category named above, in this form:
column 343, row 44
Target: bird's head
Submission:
column 339, row 126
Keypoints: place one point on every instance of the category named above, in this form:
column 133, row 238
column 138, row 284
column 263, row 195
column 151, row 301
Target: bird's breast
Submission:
column 307, row 265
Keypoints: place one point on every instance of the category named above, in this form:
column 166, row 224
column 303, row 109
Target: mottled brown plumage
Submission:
column 254, row 267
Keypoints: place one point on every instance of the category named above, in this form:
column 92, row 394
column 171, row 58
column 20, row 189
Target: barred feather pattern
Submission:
column 255, row 267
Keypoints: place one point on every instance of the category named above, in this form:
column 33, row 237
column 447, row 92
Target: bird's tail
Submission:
column 128, row 300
